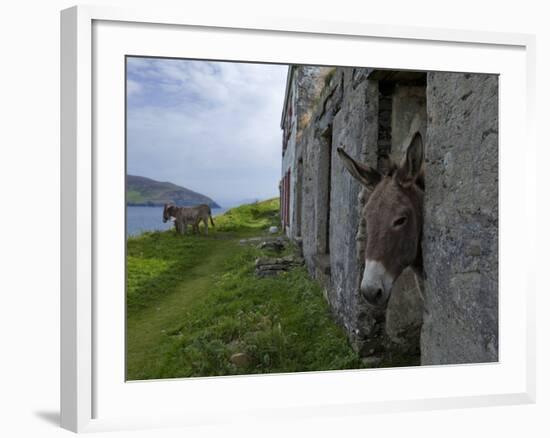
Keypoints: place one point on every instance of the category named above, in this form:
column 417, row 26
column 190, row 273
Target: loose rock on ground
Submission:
column 268, row 266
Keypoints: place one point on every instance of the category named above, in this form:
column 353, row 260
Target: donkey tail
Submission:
column 210, row 216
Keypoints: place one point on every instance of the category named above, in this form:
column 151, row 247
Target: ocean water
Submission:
column 140, row 219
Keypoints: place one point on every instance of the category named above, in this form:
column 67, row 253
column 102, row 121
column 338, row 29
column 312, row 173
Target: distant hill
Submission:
column 146, row 191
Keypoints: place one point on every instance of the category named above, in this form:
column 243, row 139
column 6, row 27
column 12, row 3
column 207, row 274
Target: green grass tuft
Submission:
column 135, row 197
column 250, row 217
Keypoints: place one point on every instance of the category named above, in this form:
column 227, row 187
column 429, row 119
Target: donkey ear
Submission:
column 411, row 166
column 366, row 175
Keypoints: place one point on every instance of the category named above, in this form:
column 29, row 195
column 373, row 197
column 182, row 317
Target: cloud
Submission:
column 133, row 87
column 209, row 126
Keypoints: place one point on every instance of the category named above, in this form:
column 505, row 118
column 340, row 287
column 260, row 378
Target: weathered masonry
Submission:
column 371, row 113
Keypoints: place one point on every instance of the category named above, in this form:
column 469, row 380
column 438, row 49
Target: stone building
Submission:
column 371, row 113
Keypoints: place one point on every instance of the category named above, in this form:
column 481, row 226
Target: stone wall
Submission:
column 350, row 129
column 305, row 87
column 461, row 219
column 330, row 197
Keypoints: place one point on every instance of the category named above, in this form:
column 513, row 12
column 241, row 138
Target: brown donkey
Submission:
column 183, row 216
column 394, row 220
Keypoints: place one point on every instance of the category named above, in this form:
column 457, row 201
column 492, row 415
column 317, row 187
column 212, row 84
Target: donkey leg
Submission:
column 205, row 226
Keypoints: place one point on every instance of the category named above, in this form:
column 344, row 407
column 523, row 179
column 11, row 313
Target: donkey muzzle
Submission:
column 376, row 284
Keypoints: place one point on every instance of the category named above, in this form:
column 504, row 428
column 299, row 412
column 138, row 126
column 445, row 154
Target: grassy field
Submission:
column 194, row 301
column 134, row 197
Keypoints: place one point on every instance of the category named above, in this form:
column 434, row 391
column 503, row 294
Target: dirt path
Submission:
column 148, row 328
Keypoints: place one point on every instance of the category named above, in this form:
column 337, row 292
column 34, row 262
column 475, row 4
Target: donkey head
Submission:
column 394, row 220
column 168, row 212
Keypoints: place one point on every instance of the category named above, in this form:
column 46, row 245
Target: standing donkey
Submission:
column 394, row 221
column 184, row 216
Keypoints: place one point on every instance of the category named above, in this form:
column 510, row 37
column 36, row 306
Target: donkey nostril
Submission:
column 373, row 295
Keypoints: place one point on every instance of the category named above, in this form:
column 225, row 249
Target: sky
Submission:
column 212, row 127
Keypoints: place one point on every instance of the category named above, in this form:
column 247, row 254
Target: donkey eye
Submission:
column 400, row 221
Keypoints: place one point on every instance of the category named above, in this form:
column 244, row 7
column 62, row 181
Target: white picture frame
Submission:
column 92, row 394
